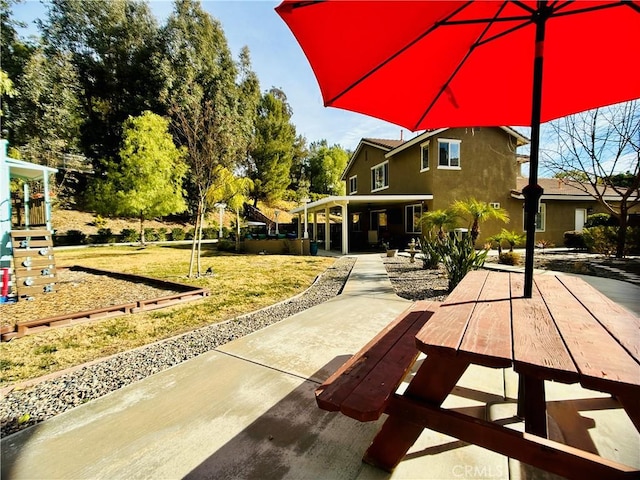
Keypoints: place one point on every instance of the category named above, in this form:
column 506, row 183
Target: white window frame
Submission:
column 385, row 181
column 449, row 166
column 424, row 148
column 410, row 211
column 542, row 213
column 353, row 182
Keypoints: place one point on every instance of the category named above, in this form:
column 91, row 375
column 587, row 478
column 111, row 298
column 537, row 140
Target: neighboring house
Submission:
column 391, row 183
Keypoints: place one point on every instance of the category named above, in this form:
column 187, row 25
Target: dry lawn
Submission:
column 240, row 284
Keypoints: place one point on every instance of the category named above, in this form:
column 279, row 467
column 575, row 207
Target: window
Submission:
column 424, row 157
column 412, row 218
column 353, row 185
column 541, row 218
column 449, row 154
column 380, row 177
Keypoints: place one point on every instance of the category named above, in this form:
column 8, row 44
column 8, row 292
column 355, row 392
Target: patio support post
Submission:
column 25, row 195
column 315, row 226
column 327, row 229
column 299, row 226
column 47, row 201
column 345, row 229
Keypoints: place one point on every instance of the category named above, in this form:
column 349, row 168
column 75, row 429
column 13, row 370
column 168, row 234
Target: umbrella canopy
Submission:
column 422, row 64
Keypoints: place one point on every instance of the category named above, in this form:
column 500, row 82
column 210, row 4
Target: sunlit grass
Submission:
column 240, row 284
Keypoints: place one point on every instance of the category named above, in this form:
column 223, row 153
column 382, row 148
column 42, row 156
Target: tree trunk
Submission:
column 202, row 211
column 237, row 230
column 622, row 232
column 195, row 239
column 475, row 231
column 142, row 239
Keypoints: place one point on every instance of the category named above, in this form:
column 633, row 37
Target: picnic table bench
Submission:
column 567, row 332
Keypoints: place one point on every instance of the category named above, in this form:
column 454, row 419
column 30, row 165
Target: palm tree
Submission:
column 477, row 211
column 439, row 219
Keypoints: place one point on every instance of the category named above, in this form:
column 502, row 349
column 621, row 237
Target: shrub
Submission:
column 459, row 257
column 509, row 258
column 99, row 222
column 226, row 246
column 430, row 255
column 105, row 236
column 209, row 233
column 150, row 235
column 177, row 234
column 601, row 239
column 162, row 234
column 600, row 220
column 130, row 235
column 76, row 237
column 574, row 239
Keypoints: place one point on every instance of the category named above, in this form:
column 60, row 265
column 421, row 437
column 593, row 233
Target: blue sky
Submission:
column 278, row 61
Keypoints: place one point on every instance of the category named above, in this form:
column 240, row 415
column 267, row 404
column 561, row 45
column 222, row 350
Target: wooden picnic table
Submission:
column 567, row 332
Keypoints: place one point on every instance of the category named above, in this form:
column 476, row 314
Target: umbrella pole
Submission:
column 532, row 192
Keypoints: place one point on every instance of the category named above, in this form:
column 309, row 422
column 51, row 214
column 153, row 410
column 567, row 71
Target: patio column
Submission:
column 327, row 229
column 315, row 226
column 345, row 229
column 299, row 225
column 25, row 194
column 47, row 200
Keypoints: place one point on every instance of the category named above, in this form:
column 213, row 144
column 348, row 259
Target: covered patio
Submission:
column 364, row 220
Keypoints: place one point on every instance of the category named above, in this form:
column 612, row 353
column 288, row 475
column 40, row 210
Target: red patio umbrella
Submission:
column 433, row 64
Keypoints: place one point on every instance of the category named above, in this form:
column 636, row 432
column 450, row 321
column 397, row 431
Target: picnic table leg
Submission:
column 531, row 397
column 631, row 405
column 433, row 381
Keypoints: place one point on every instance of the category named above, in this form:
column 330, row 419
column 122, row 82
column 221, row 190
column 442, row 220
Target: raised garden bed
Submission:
column 150, row 293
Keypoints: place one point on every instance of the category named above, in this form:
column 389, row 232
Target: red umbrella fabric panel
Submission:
column 391, row 59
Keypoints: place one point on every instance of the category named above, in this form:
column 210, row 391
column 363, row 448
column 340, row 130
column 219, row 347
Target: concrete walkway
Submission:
column 247, row 410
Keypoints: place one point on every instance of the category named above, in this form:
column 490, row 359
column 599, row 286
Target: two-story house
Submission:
column 391, row 183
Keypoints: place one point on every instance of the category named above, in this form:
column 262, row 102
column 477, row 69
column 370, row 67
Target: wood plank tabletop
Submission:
column 567, row 331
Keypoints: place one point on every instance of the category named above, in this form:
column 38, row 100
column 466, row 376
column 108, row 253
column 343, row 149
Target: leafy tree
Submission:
column 598, row 145
column 47, row 114
column 326, row 165
column 212, row 103
column 476, row 212
column 147, row 182
column 14, row 54
column 273, row 147
column 113, row 44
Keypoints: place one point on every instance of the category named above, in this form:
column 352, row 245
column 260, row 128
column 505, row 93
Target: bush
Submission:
column 209, row 233
column 574, row 239
column 76, row 237
column 130, row 235
column 600, row 220
column 509, row 258
column 177, row 234
column 226, row 246
column 105, row 236
column 459, row 257
column 99, row 222
column 601, row 239
column 430, row 255
column 162, row 234
column 150, row 235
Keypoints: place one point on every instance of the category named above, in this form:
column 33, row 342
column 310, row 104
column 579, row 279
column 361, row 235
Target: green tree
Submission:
column 477, row 212
column 114, row 47
column 598, row 145
column 147, row 182
column 47, row 114
column 326, row 165
column 212, row 102
column 273, row 147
